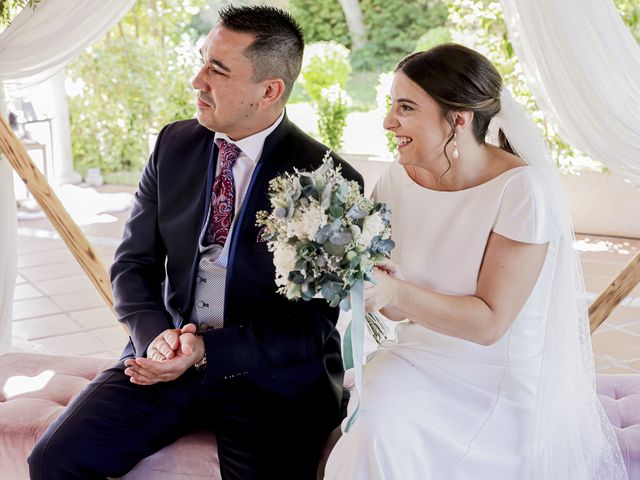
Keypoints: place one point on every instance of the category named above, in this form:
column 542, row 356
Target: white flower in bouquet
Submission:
column 325, row 235
column 284, row 259
column 337, row 233
column 373, row 224
column 307, row 221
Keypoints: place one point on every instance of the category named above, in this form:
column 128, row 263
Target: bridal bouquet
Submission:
column 325, row 236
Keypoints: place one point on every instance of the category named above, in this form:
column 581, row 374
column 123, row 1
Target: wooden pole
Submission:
column 615, row 292
column 37, row 184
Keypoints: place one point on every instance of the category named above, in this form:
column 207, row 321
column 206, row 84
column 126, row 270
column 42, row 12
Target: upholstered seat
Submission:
column 34, row 389
column 620, row 396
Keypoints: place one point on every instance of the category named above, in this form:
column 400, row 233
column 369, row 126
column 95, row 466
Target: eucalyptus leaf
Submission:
column 323, row 234
column 326, row 196
column 325, row 167
column 336, row 211
column 342, row 237
column 342, row 192
column 335, row 250
column 296, row 277
column 328, row 291
column 345, row 304
column 357, row 213
column 293, row 291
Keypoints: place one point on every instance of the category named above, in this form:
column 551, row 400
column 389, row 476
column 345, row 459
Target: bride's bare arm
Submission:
column 508, row 273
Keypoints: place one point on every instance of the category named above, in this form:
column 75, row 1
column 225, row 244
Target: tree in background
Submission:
column 630, row 11
column 480, row 24
column 132, row 83
column 10, row 8
column 355, row 23
column 392, row 27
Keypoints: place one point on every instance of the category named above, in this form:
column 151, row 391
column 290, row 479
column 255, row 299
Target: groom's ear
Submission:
column 273, row 91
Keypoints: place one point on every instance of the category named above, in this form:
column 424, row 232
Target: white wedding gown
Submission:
column 436, row 407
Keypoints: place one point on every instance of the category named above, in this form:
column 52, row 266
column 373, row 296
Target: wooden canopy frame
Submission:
column 86, row 256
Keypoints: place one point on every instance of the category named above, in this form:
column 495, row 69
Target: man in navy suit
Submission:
column 212, row 343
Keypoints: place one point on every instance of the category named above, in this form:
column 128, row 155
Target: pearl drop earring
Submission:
column 456, row 153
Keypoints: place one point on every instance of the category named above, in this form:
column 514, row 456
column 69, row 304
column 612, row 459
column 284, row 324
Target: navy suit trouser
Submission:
column 113, row 424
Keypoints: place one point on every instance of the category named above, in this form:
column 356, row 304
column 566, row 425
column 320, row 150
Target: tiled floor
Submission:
column 57, row 310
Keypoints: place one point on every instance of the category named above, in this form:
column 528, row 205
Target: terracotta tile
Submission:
column 35, row 307
column 596, row 283
column 103, row 354
column 44, row 258
column 107, row 260
column 602, row 361
column 594, row 267
column 73, row 344
column 65, row 285
column 117, row 353
column 25, row 291
column 106, row 251
column 32, row 245
column 634, row 365
column 633, row 328
column 618, row 344
column 94, row 317
column 49, row 272
column 617, row 369
column 80, row 300
column 623, row 315
column 113, row 337
column 43, row 327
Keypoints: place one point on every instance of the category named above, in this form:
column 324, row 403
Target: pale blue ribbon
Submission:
column 352, row 346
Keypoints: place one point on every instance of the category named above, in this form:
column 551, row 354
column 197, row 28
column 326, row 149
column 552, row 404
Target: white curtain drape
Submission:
column 583, row 67
column 36, row 45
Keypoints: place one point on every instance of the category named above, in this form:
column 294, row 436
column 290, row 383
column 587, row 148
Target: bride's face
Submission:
column 417, row 122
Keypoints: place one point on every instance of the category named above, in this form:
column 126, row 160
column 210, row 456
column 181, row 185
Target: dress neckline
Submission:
column 480, row 185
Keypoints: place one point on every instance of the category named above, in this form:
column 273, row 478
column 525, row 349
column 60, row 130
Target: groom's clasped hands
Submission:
column 169, row 355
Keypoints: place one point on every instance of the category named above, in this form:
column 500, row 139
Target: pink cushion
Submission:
column 34, row 389
column 620, row 397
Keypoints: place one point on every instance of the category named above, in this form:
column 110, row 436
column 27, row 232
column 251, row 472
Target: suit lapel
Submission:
column 264, row 171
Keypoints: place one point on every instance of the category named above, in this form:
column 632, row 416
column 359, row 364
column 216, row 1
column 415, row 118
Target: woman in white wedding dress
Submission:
column 490, row 374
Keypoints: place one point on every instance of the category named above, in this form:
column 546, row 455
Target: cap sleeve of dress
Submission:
column 524, row 214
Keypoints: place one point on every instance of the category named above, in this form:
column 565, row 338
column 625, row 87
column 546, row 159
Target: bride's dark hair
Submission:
column 458, row 79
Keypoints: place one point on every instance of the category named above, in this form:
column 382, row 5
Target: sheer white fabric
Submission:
column 36, row 45
column 8, row 246
column 572, row 435
column 582, row 65
column 40, row 42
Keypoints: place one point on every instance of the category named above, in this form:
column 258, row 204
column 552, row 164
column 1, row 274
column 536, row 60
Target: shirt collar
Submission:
column 252, row 145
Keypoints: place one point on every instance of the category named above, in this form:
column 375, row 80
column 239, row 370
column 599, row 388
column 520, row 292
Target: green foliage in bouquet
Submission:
column 325, row 235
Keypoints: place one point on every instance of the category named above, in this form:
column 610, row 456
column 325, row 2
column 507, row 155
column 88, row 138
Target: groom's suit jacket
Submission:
column 285, row 346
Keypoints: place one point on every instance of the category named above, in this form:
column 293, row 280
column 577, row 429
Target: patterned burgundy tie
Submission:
column 223, row 195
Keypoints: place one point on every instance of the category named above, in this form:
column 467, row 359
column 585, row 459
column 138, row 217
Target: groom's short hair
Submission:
column 278, row 46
